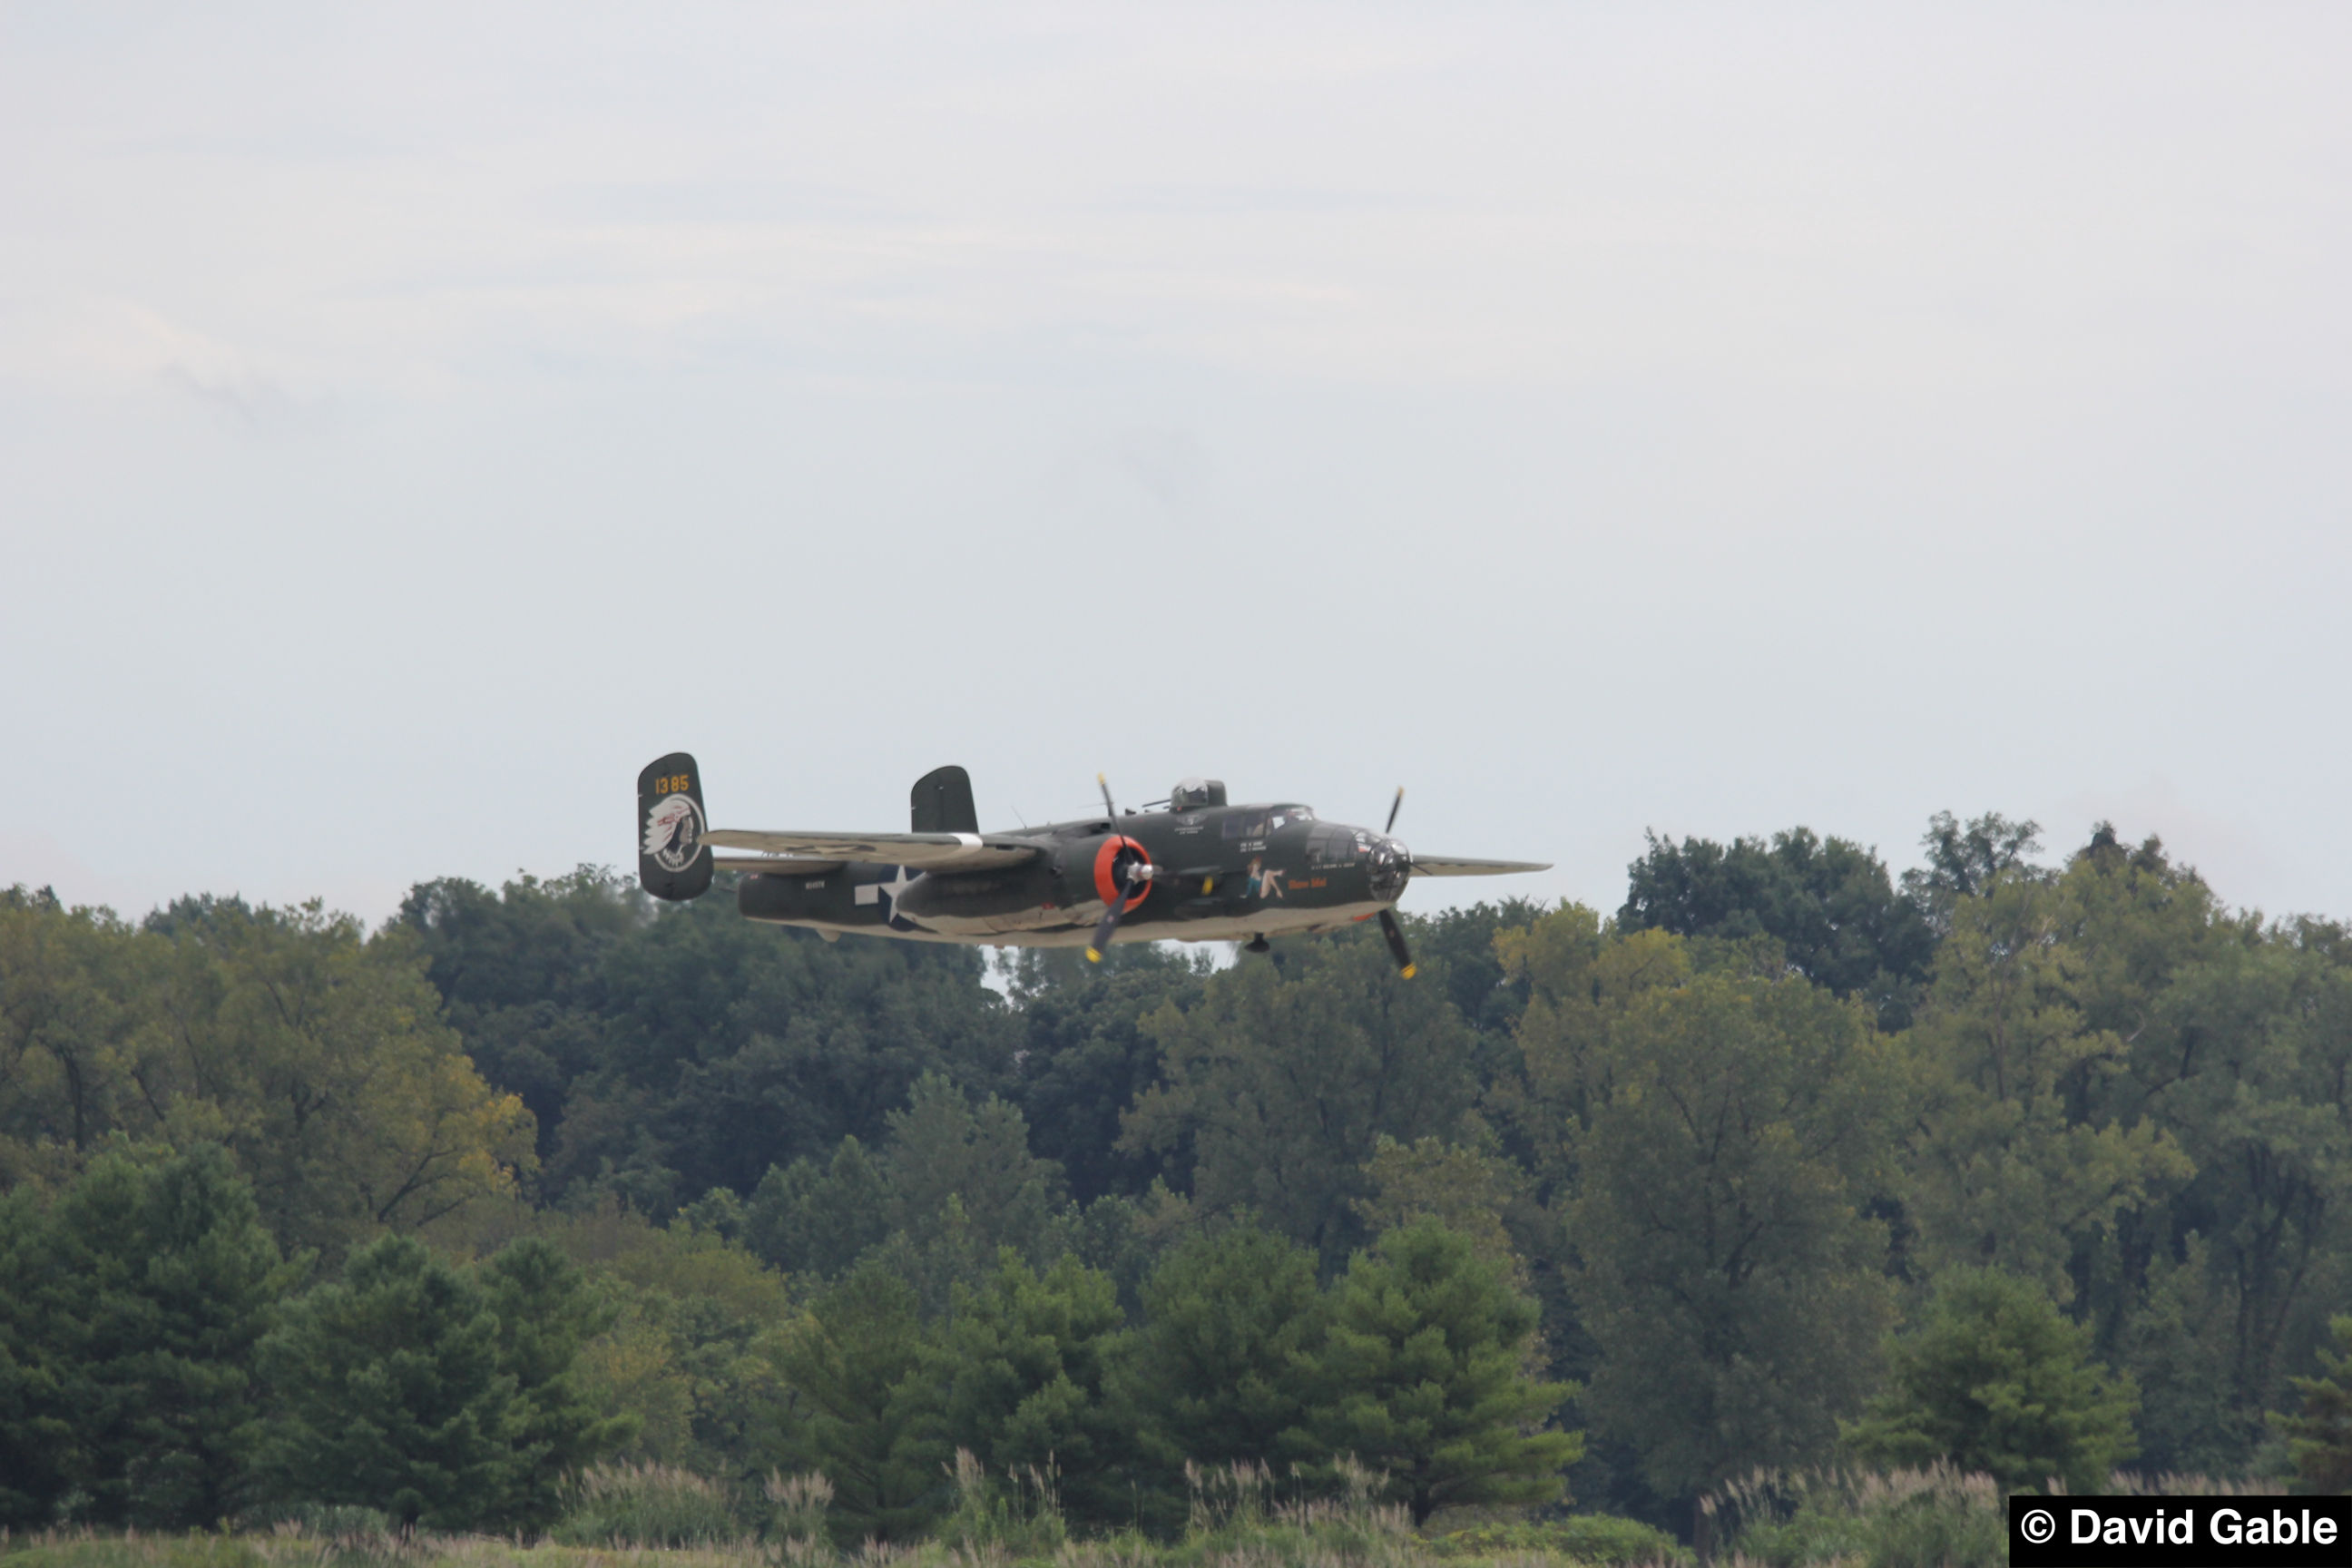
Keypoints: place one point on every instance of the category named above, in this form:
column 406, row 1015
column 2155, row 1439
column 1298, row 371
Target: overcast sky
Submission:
column 413, row 419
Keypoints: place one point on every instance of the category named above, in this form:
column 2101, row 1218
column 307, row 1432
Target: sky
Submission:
column 1596, row 418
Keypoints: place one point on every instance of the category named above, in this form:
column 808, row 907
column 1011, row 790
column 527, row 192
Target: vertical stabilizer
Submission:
column 942, row 802
column 673, row 862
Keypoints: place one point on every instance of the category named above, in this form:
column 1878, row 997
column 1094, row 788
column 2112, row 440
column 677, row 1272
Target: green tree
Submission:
column 954, row 1181
column 1085, row 1056
column 318, row 1056
column 79, row 1033
column 392, row 1394
column 126, row 1339
column 546, row 1311
column 1713, row 1140
column 2319, row 1434
column 812, row 1220
column 1962, row 861
column 696, row 1347
column 946, row 1155
column 1019, row 1374
column 1418, row 1375
column 690, row 1048
column 2008, row 1170
column 1281, row 1080
column 38, row 1457
column 1470, row 1189
column 854, row 1365
column 1218, row 1371
column 2235, row 1043
column 1995, row 1379
column 1828, row 902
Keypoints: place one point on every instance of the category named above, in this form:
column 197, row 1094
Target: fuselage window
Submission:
column 1245, row 827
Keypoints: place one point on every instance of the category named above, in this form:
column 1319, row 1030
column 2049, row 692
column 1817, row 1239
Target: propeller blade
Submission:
column 1109, row 810
column 1138, row 872
column 1396, row 939
column 1394, row 807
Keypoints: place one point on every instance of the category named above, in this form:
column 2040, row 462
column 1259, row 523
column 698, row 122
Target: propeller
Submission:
column 1397, row 948
column 1389, row 927
column 1139, row 871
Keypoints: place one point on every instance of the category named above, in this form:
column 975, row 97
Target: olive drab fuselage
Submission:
column 1219, row 873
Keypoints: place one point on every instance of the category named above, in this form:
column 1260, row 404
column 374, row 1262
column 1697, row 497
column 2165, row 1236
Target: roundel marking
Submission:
column 1107, row 856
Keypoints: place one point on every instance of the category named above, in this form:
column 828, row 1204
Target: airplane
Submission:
column 1192, row 868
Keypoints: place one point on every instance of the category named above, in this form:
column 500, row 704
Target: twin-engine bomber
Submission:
column 1191, row 866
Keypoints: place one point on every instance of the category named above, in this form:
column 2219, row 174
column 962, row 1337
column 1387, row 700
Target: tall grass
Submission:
column 647, row 1505
column 996, row 1521
column 1939, row 1517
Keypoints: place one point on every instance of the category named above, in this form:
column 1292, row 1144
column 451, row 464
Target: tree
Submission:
column 1963, row 861
column 1468, row 1189
column 546, row 1312
column 77, row 1034
column 1019, row 1374
column 2019, row 1160
column 1828, row 902
column 393, row 1395
column 696, row 1347
column 1418, row 1376
column 953, row 1183
column 812, row 1221
column 1712, row 1140
column 1995, row 1379
column 854, row 1362
column 1281, row 1081
column 1085, row 1056
column 39, row 1454
column 1217, row 1373
column 2319, row 1436
column 127, row 1336
column 945, row 1152
column 2234, row 1043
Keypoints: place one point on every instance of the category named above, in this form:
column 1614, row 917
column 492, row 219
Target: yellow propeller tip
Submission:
column 1093, row 957
column 1410, row 969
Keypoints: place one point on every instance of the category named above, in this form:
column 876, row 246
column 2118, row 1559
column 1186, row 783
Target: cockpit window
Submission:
column 1245, row 824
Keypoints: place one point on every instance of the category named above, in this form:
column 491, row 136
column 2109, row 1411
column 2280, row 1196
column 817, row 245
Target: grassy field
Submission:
column 649, row 1517
column 1272, row 1547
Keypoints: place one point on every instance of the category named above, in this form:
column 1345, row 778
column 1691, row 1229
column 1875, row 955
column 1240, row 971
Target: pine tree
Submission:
column 1995, row 1379
column 854, row 1362
column 546, row 1312
column 2319, row 1436
column 1420, row 1376
column 1216, row 1375
column 393, row 1392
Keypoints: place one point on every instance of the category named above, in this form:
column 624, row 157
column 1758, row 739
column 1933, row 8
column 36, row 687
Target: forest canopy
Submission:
column 1767, row 1168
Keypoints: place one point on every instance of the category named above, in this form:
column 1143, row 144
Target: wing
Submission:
column 1455, row 865
column 924, row 851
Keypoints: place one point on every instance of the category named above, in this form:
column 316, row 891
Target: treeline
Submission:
column 2041, row 1169
column 166, row 1366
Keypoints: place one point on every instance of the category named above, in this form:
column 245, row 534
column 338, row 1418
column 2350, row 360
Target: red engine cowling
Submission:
column 1112, row 861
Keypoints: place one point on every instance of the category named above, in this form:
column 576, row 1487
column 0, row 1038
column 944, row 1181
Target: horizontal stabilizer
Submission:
column 1455, row 865
column 923, row 851
column 775, row 864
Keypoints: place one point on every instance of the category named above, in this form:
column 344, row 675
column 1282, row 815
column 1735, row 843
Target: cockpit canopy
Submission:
column 1192, row 793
